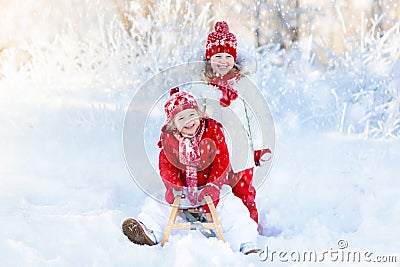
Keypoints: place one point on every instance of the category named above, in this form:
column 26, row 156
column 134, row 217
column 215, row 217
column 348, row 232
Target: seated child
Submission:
column 193, row 159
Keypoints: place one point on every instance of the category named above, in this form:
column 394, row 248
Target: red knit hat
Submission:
column 221, row 41
column 179, row 101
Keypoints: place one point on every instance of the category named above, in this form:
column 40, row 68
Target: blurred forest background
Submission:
column 309, row 24
column 330, row 65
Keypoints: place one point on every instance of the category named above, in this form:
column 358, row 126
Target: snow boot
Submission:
column 249, row 248
column 138, row 233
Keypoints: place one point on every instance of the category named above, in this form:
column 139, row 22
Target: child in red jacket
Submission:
column 194, row 159
column 194, row 151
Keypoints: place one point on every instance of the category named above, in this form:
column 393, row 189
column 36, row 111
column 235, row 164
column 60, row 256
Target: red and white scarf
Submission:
column 225, row 84
column 189, row 155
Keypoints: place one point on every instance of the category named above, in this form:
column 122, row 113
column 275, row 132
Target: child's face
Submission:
column 222, row 63
column 187, row 121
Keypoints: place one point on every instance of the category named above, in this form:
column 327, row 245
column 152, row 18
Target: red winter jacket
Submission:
column 214, row 160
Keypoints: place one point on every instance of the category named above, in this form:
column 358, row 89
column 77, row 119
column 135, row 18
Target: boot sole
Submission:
column 135, row 232
column 252, row 251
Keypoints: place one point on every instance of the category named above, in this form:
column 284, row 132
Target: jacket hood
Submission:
column 246, row 63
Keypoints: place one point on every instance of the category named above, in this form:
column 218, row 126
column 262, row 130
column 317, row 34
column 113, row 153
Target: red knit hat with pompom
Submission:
column 221, row 41
column 179, row 101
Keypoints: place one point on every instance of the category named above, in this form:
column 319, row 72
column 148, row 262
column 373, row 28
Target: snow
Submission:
column 65, row 188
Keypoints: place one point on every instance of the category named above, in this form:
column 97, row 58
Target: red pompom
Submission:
column 173, row 91
column 222, row 27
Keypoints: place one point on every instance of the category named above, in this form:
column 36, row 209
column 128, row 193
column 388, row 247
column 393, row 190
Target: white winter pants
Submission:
column 237, row 225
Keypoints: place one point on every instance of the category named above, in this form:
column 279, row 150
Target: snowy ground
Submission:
column 65, row 188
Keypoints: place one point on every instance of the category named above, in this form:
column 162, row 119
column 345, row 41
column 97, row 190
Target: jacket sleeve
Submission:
column 220, row 165
column 170, row 174
column 260, row 119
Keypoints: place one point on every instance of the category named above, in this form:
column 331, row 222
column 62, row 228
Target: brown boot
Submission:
column 249, row 248
column 138, row 233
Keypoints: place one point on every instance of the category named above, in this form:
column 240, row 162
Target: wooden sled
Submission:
column 212, row 219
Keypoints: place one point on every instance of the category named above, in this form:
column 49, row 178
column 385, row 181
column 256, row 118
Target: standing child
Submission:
column 193, row 156
column 238, row 109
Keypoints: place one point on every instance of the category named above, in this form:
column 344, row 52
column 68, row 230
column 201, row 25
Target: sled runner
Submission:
column 194, row 216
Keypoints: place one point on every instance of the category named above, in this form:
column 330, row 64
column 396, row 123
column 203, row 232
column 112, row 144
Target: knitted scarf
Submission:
column 225, row 84
column 189, row 155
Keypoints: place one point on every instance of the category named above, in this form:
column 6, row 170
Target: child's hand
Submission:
column 210, row 189
column 258, row 156
column 171, row 193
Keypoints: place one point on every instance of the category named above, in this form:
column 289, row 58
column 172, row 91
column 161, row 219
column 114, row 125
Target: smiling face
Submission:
column 187, row 121
column 222, row 63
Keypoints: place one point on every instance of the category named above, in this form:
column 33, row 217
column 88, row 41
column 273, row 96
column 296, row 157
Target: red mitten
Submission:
column 258, row 154
column 213, row 191
column 171, row 193
column 169, row 196
column 210, row 189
